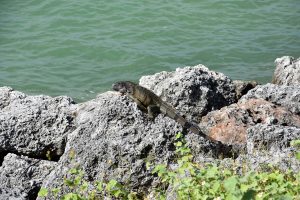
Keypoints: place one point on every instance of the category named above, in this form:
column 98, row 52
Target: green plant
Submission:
column 75, row 184
column 296, row 144
column 191, row 181
column 75, row 187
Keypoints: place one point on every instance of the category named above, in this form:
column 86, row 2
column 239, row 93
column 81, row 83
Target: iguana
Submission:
column 149, row 102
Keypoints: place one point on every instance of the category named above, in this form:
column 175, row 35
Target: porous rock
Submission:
column 242, row 87
column 36, row 126
column 286, row 96
column 268, row 148
column 115, row 140
column 21, row 177
column 270, row 144
column 273, row 138
column 230, row 124
column 287, row 71
column 193, row 91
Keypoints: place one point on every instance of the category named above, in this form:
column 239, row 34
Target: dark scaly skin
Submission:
column 151, row 103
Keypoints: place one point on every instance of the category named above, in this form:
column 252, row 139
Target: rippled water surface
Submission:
column 79, row 48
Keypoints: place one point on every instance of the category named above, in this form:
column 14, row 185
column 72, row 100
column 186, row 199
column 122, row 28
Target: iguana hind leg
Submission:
column 153, row 111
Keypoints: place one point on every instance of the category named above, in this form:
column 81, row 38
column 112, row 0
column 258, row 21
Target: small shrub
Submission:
column 191, row 181
column 79, row 189
column 296, row 144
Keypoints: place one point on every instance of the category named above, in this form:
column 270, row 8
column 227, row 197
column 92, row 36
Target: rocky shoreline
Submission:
column 112, row 139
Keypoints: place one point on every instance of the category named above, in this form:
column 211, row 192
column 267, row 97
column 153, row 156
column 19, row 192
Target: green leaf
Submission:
column 43, row 192
column 295, row 143
column 73, row 171
column 273, row 175
column 244, row 187
column 55, row 191
column 253, row 184
column 178, row 144
column 285, row 197
column 114, row 187
column 132, row 196
column 212, row 172
column 77, row 181
column 69, row 182
column 72, row 154
column 249, row 195
column 171, row 174
column 84, row 186
column 230, row 184
column 298, row 155
column 92, row 195
column 112, row 183
column 148, row 165
column 160, row 170
column 226, row 172
column 117, row 193
column 71, row 196
column 178, row 135
column 99, row 185
column 232, row 197
column 216, row 187
column 187, row 158
column 162, row 197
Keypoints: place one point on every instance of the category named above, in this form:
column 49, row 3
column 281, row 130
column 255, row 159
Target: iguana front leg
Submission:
column 140, row 105
column 152, row 110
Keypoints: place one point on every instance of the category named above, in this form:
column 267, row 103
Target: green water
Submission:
column 79, row 48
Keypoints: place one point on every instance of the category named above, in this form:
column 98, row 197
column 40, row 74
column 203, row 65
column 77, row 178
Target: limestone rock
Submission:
column 21, row 177
column 273, row 138
column 230, row 124
column 242, row 87
column 270, row 144
column 115, row 140
column 193, row 91
column 287, row 71
column 36, row 126
column 286, row 96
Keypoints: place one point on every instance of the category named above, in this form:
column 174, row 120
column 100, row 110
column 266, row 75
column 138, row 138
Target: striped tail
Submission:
column 195, row 129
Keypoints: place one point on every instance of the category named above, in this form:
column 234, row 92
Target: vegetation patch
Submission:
column 189, row 180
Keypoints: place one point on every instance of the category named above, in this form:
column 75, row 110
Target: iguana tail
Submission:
column 193, row 128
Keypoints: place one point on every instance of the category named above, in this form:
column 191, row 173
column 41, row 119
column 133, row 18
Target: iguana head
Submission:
column 124, row 87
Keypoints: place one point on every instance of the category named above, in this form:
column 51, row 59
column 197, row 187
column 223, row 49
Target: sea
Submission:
column 79, row 48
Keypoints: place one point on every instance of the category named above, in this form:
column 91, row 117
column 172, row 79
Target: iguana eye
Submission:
column 129, row 91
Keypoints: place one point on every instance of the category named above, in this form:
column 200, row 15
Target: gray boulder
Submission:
column 230, row 123
column 273, row 138
column 21, row 177
column 286, row 96
column 36, row 126
column 287, row 71
column 270, row 144
column 193, row 91
column 115, row 140
column 242, row 87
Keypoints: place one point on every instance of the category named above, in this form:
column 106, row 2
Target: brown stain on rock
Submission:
column 229, row 124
